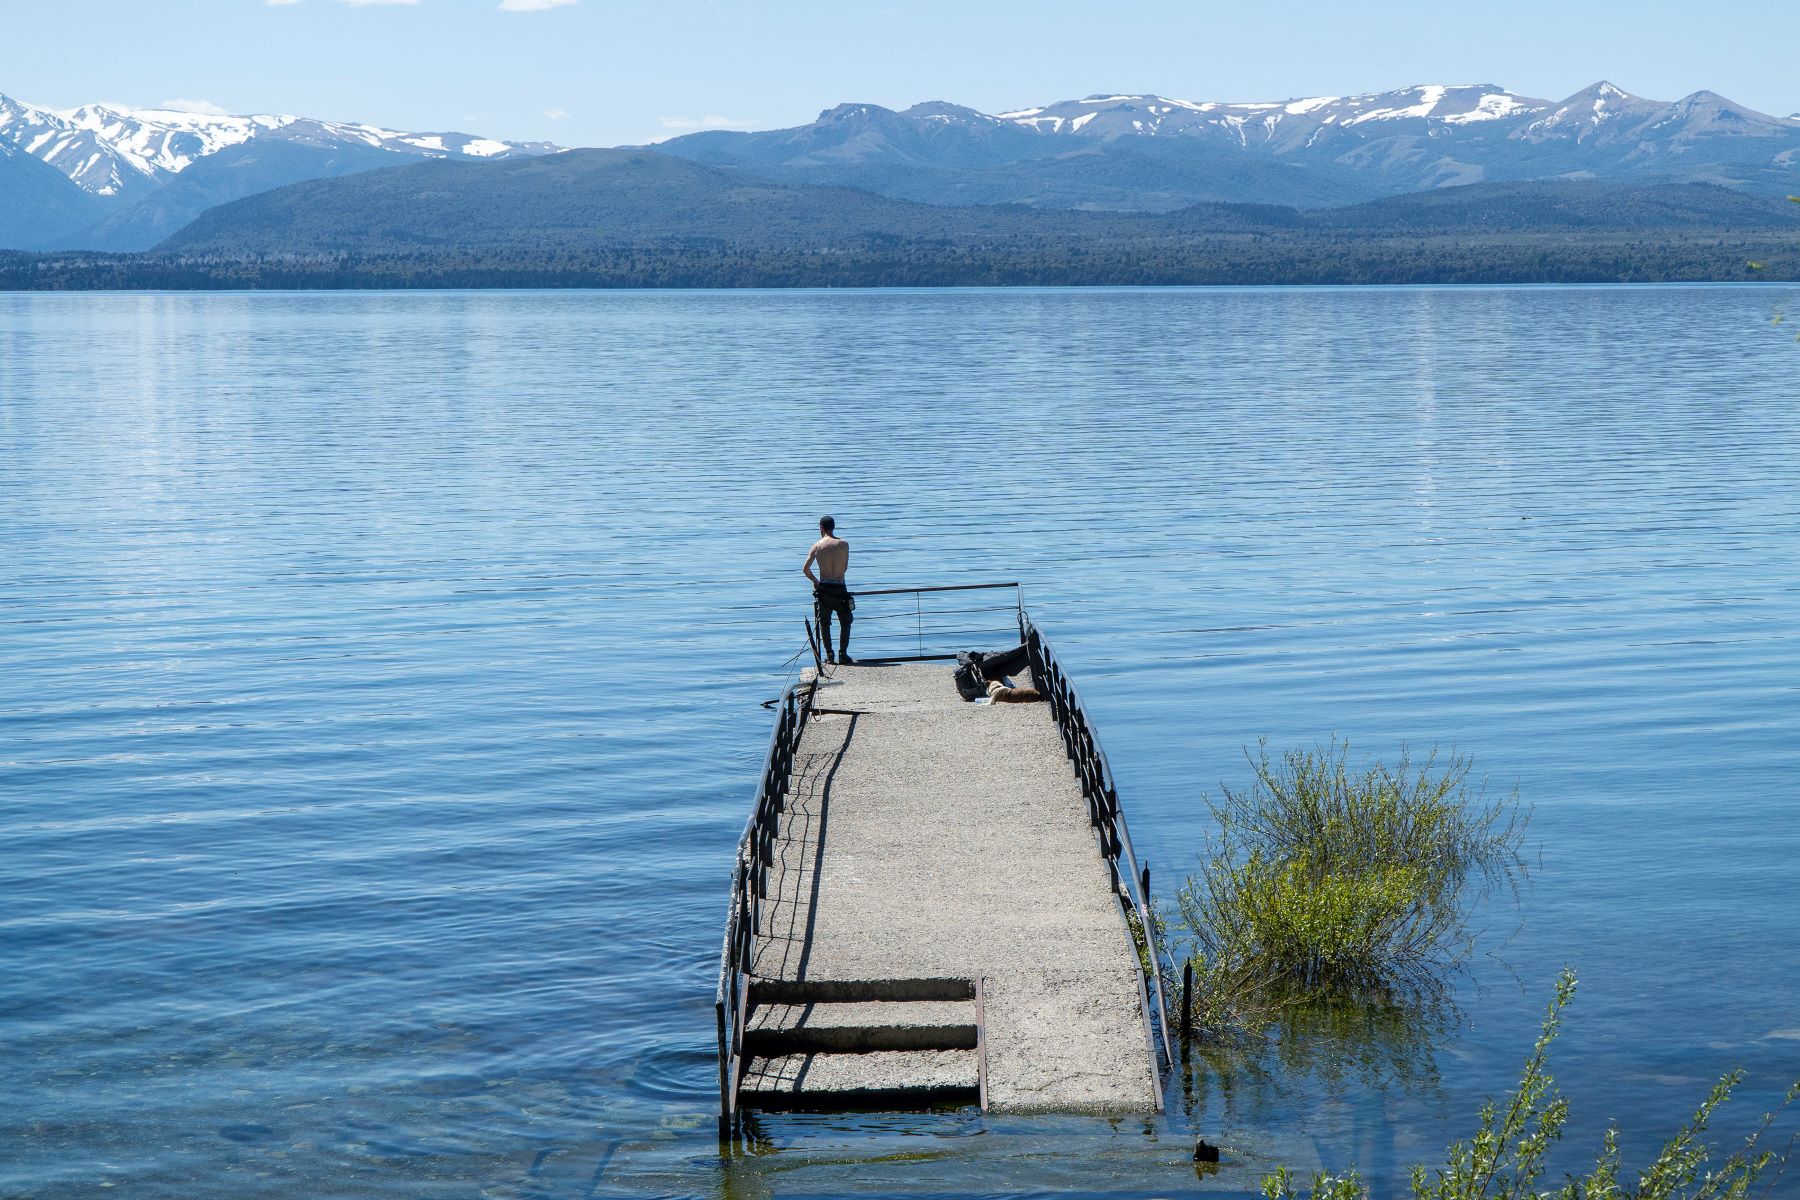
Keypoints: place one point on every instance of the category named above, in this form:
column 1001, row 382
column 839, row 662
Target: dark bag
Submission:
column 968, row 679
column 1010, row 662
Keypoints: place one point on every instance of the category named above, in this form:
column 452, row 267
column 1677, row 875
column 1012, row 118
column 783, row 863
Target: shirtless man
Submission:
column 832, row 554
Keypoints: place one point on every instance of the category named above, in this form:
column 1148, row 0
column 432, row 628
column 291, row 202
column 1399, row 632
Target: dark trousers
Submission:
column 829, row 598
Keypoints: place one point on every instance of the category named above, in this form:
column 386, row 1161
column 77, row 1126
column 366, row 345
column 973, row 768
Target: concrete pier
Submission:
column 940, row 924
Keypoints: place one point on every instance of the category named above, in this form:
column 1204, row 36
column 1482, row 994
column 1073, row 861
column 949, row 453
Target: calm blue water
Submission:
column 380, row 681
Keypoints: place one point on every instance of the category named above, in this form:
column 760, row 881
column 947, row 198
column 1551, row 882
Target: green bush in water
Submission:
column 1326, row 880
column 1508, row 1153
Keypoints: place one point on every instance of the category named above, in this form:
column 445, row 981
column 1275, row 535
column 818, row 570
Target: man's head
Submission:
column 827, row 525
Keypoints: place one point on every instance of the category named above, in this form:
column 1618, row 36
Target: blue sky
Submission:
column 606, row 72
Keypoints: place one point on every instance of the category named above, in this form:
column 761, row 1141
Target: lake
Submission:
column 381, row 683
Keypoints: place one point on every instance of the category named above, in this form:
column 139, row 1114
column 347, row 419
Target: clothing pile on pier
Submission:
column 979, row 675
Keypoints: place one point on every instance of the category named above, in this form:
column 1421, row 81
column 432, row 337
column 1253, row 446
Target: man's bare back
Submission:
column 832, row 556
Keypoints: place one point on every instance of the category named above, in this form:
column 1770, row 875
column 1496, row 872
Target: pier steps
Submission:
column 881, row 1079
column 841, row 1044
column 856, row 1028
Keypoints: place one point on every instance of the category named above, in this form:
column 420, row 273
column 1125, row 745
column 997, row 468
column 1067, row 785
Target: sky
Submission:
column 614, row 72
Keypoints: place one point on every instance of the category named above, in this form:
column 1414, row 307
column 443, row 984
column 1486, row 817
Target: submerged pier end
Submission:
column 937, row 903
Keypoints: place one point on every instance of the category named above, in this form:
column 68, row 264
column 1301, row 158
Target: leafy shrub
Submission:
column 1330, row 881
column 1507, row 1155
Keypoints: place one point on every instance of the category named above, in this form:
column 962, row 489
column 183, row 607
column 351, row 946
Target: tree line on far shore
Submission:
column 1224, row 259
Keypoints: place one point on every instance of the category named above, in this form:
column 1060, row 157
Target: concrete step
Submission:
column 849, row 991
column 885, row 1079
column 774, row 1030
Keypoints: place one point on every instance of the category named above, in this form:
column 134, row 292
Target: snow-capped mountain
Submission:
column 1288, row 124
column 108, row 150
column 127, row 159
column 1605, row 114
column 1135, row 151
column 119, row 178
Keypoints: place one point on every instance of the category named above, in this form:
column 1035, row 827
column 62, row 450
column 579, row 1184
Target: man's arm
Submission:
column 812, row 556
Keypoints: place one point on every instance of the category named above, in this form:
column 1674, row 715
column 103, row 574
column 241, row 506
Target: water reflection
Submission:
column 1339, row 1073
column 1320, row 1050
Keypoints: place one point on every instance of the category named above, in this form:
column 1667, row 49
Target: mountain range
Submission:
column 1437, row 161
column 1151, row 153
column 107, row 177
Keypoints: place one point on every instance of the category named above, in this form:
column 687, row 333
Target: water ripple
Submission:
column 380, row 682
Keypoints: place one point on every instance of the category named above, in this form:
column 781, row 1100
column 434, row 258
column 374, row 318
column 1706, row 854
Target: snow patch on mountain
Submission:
column 1493, row 106
column 1426, row 102
column 1118, row 114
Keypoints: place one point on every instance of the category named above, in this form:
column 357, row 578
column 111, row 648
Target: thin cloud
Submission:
column 557, row 114
column 205, row 108
column 534, row 5
column 374, row 3
column 280, row 3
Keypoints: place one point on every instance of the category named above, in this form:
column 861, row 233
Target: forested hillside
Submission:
column 635, row 218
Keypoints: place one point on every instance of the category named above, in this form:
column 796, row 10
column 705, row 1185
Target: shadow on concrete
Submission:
column 787, row 944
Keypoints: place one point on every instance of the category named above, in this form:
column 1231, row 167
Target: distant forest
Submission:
column 1289, row 257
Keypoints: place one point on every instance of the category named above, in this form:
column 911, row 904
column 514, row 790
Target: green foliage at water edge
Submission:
column 1328, row 880
column 1507, row 1155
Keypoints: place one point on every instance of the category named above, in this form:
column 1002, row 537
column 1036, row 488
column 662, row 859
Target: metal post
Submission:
column 1187, row 1003
column 724, row 1071
column 812, row 639
column 981, row 1072
column 919, row 620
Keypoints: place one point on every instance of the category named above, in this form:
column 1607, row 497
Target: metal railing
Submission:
column 749, row 886
column 1130, row 882
column 910, row 624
